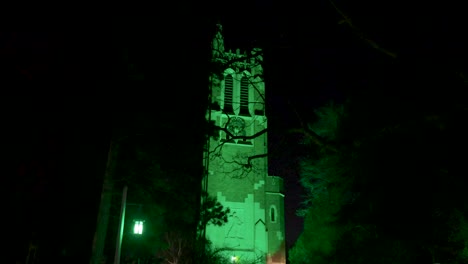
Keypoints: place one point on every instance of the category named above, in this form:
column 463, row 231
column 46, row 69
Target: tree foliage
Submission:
column 213, row 213
column 384, row 195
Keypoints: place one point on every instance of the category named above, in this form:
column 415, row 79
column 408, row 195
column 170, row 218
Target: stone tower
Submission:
column 236, row 163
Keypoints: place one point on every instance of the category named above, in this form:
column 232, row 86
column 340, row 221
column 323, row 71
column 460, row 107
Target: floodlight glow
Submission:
column 138, row 228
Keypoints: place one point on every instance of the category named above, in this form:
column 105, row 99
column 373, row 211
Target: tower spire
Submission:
column 218, row 42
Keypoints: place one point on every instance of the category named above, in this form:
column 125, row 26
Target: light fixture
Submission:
column 138, row 228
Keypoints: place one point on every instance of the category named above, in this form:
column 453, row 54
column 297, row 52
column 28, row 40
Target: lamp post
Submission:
column 118, row 245
column 106, row 200
column 137, row 228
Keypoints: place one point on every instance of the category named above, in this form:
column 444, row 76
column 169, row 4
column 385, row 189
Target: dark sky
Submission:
column 65, row 83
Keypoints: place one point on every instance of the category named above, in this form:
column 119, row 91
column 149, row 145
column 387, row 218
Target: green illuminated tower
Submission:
column 236, row 165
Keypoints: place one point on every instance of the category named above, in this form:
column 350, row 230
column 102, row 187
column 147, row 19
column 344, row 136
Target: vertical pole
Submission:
column 118, row 244
column 104, row 207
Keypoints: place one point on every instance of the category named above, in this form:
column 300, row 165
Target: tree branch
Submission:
column 249, row 159
column 259, row 133
column 241, row 58
column 316, row 139
column 359, row 32
column 255, row 87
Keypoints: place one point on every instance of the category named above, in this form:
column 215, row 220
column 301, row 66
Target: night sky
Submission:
column 64, row 85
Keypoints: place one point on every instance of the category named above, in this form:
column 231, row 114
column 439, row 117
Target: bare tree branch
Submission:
column 241, row 58
column 249, row 159
column 359, row 32
column 316, row 139
column 255, row 87
column 259, row 133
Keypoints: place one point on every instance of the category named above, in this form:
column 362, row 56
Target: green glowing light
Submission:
column 138, row 228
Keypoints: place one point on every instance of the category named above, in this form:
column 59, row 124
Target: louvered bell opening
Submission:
column 244, row 97
column 228, row 95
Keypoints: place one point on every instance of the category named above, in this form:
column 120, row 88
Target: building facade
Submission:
column 236, row 163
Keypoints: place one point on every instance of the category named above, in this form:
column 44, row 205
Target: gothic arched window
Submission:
column 228, row 94
column 244, row 97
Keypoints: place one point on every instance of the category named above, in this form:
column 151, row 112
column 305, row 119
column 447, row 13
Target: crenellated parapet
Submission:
column 239, row 60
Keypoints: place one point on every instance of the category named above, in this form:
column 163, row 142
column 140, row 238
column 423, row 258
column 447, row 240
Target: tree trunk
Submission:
column 104, row 207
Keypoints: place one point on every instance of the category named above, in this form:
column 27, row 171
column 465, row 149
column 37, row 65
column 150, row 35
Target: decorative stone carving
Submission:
column 235, row 233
